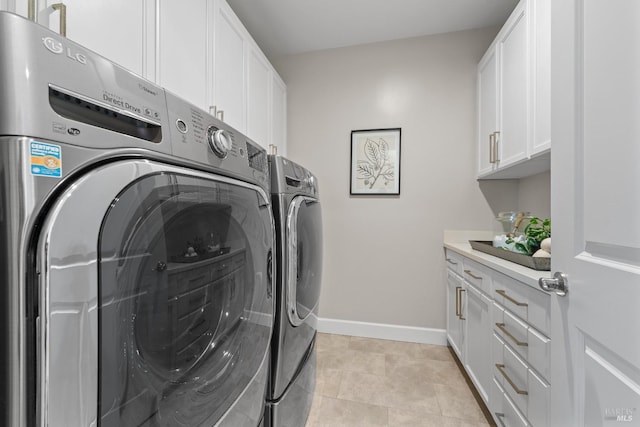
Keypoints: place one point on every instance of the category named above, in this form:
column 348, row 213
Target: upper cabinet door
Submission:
column 183, row 57
column 229, row 66
column 120, row 30
column 279, row 115
column 513, row 92
column 541, row 75
column 258, row 98
column 488, row 128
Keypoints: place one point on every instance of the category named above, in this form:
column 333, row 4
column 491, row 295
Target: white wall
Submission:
column 383, row 257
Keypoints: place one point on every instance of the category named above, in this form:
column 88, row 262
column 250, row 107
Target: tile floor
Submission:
column 365, row 382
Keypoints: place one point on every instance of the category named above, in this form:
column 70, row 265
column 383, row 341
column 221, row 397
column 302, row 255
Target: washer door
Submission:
column 304, row 248
column 157, row 300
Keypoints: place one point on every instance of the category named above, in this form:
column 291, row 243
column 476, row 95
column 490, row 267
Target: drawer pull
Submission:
column 503, row 328
column 501, row 368
column 451, row 262
column 472, row 275
column 516, row 302
column 499, row 417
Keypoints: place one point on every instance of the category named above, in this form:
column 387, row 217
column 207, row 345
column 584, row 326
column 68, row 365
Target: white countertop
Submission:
column 458, row 241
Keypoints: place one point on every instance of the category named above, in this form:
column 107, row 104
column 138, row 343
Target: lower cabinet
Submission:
column 478, row 335
column 455, row 308
column 498, row 327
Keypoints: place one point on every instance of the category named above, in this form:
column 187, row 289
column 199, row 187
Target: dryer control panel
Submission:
column 291, row 178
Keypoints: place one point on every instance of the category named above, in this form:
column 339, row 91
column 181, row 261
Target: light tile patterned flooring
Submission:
column 365, row 382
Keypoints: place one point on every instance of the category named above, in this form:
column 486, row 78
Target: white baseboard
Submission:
column 383, row 331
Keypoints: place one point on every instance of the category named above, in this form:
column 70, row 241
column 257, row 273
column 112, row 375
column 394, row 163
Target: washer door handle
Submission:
column 270, row 274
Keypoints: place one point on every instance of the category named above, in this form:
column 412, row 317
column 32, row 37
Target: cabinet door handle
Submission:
column 62, row 8
column 502, row 370
column 451, row 262
column 220, row 115
column 496, row 141
column 459, row 292
column 504, row 294
column 503, row 328
column 492, row 148
column 499, row 417
column 473, row 275
column 212, row 110
column 31, row 10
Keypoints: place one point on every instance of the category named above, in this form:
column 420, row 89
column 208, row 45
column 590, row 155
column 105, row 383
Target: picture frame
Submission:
column 375, row 162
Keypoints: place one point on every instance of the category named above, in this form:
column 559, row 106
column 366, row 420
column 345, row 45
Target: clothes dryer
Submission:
column 298, row 216
column 136, row 245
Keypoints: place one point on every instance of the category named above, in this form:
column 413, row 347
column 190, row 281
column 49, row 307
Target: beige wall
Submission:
column 534, row 195
column 383, row 257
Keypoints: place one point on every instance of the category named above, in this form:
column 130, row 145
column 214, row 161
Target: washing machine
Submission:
column 298, row 217
column 136, row 248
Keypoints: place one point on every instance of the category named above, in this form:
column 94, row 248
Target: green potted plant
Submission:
column 534, row 234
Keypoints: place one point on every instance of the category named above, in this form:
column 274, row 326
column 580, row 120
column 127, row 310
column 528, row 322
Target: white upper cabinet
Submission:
column 198, row 50
column 246, row 86
column 182, row 52
column 514, row 98
column 120, row 30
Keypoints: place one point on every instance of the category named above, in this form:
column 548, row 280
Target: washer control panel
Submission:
column 199, row 137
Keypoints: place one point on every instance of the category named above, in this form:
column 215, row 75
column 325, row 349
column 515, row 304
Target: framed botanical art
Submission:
column 375, row 162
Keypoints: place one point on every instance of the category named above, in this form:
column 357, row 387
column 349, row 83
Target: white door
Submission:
column 595, row 340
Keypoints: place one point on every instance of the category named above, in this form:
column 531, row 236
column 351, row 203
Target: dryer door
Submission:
column 304, row 248
column 157, row 300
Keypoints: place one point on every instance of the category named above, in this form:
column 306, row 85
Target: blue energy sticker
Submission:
column 46, row 159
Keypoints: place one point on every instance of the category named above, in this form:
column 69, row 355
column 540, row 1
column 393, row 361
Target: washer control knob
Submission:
column 219, row 141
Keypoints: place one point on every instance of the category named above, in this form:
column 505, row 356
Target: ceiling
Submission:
column 285, row 27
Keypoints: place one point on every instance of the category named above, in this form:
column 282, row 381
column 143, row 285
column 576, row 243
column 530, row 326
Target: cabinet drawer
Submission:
column 512, row 417
column 478, row 275
column 511, row 329
column 513, row 375
column 530, row 304
column 453, row 261
column 524, row 388
column 504, row 410
column 530, row 344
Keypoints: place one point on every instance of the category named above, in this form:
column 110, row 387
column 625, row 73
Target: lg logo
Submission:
column 57, row 47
